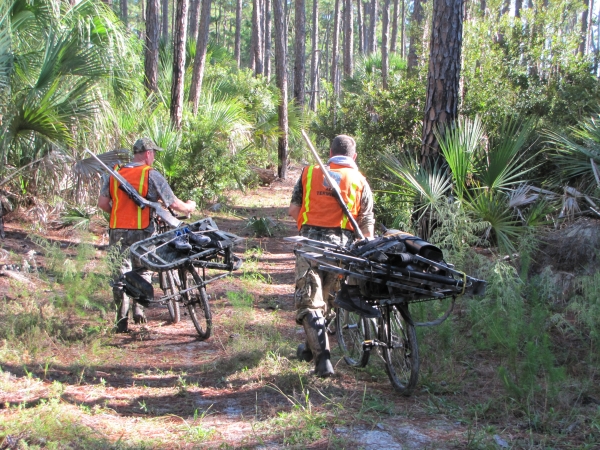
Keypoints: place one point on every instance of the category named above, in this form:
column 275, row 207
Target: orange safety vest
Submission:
column 319, row 206
column 125, row 213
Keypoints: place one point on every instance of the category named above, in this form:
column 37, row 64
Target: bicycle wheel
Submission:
column 352, row 331
column 196, row 301
column 169, row 282
column 401, row 352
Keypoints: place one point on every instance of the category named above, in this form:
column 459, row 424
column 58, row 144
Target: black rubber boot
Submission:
column 122, row 304
column 316, row 337
column 303, row 353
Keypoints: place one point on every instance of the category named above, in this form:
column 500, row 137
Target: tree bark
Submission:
column 314, row 60
column 165, row 20
column 359, row 26
column 200, row 59
column 384, row 43
column 394, row 27
column 267, row 52
column 518, row 7
column 238, row 32
column 334, row 46
column 403, row 29
column 299, row 51
column 589, row 34
column 193, row 22
column 281, row 77
column 124, row 17
column 179, row 40
column 441, row 106
column 348, row 39
column 256, row 55
column 373, row 28
column 415, row 26
column 151, row 53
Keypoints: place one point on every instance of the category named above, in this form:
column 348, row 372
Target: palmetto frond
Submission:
column 492, row 207
column 426, row 187
column 577, row 156
column 88, row 168
column 501, row 166
column 460, row 144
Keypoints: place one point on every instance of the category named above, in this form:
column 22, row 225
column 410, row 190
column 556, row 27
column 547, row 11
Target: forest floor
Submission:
column 159, row 386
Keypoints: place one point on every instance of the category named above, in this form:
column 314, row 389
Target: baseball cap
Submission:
column 143, row 144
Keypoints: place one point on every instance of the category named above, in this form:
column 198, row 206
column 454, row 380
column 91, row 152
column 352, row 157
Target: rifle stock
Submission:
column 137, row 198
column 334, row 187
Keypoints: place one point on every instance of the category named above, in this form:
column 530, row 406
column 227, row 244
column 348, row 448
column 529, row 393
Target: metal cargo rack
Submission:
column 156, row 254
column 386, row 275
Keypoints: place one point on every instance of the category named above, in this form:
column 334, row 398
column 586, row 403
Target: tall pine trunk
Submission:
column 257, row 35
column 200, row 59
column 238, row 32
column 267, row 52
column 193, row 22
column 165, row 20
column 314, row 60
column 299, row 51
column 348, row 39
column 124, row 17
column 373, row 28
column 335, row 49
column 281, row 76
column 385, row 26
column 359, row 26
column 179, row 40
column 151, row 53
column 394, row 37
column 415, row 31
column 441, row 106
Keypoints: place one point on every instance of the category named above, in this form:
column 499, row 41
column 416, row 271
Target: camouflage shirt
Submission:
column 158, row 188
column 365, row 218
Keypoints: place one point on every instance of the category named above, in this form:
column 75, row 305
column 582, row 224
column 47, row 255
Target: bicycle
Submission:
column 380, row 279
column 183, row 276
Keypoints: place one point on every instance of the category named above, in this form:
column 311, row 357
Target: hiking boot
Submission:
column 122, row 326
column 180, row 243
column 138, row 319
column 303, row 353
column 316, row 338
column 198, row 240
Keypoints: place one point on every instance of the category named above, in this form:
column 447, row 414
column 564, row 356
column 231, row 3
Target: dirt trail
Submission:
column 160, row 385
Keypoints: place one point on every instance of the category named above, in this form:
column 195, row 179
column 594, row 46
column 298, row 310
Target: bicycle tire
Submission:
column 170, row 285
column 196, row 301
column 352, row 331
column 401, row 352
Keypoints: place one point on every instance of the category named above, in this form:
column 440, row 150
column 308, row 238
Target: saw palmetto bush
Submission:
column 60, row 67
column 477, row 174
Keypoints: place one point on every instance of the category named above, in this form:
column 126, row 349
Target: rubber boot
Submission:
column 122, row 304
column 138, row 313
column 316, row 337
column 303, row 353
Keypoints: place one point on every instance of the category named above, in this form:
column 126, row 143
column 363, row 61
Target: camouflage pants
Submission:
column 315, row 289
column 122, row 240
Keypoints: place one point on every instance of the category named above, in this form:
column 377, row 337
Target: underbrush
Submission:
column 540, row 353
column 66, row 301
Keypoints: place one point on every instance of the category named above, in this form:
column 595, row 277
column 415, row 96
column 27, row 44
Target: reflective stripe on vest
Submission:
column 319, row 205
column 125, row 213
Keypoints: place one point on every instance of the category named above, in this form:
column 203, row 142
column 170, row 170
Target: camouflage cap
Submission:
column 143, row 144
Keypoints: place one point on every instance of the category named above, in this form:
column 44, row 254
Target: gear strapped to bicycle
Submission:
column 182, row 257
column 380, row 279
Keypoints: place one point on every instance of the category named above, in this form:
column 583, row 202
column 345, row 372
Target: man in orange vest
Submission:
column 320, row 217
column 129, row 223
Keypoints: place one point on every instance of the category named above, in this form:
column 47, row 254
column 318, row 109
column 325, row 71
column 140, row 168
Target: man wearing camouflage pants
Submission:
column 320, row 217
column 129, row 223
